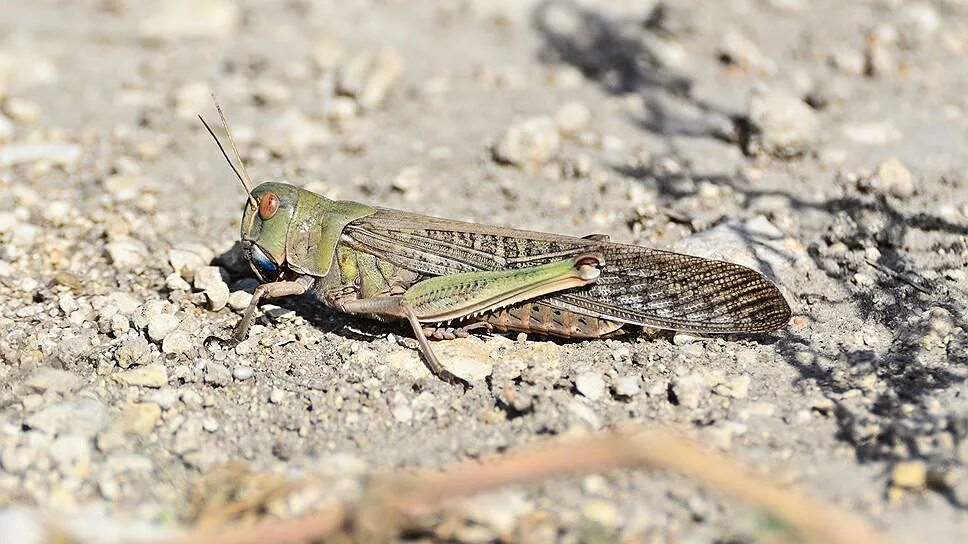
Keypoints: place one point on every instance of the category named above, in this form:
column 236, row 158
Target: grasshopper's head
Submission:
column 269, row 209
column 285, row 228
column 265, row 227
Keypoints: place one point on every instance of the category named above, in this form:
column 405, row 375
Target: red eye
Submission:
column 268, row 205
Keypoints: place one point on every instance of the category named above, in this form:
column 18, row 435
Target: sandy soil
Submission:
column 820, row 141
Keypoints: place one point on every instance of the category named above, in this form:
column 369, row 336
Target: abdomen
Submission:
column 541, row 318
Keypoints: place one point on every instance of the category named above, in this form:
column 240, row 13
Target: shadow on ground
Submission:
column 900, row 421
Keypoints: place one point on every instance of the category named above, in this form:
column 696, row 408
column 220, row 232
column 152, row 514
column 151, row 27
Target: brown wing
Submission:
column 638, row 285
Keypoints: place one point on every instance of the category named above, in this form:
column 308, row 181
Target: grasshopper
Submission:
column 447, row 278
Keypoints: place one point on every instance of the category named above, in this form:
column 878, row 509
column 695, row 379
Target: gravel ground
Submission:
column 820, row 141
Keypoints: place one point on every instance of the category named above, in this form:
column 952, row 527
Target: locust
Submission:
column 448, row 278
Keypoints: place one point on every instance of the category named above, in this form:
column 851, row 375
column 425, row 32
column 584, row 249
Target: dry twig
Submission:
column 391, row 502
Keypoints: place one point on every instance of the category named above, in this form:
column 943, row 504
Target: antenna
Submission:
column 228, row 132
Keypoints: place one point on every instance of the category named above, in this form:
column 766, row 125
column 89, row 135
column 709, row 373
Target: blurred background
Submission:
column 819, row 141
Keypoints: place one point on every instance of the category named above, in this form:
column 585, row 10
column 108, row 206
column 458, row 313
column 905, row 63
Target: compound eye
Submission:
column 268, row 205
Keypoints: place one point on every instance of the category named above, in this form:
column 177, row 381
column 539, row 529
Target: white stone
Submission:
column 628, row 386
column 175, row 282
column 162, row 325
column 533, row 141
column 152, row 375
column 62, row 154
column 783, row 124
column 572, row 117
column 239, row 300
column 242, row 372
column 52, row 379
column 125, row 302
column 209, row 280
column 85, row 417
column 126, row 253
column 186, row 261
column 26, row 67
column 742, row 51
column 584, row 412
column 276, row 396
column 369, row 76
column 400, row 408
column 176, row 343
column 591, row 385
column 872, row 134
column 181, row 19
column 895, row 178
column 690, row 390
column 140, row 417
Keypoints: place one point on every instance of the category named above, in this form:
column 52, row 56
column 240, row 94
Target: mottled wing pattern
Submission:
column 681, row 292
column 638, row 285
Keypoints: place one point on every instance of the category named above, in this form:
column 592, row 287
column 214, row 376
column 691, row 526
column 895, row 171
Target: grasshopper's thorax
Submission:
column 293, row 229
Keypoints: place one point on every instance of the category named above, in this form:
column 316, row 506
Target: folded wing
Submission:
column 638, row 285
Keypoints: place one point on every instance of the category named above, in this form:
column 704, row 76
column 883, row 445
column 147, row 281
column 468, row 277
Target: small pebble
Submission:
column 141, row 417
column 131, row 352
column 217, row 374
column 152, row 375
column 572, row 117
column 120, row 324
column 871, row 134
column 67, row 303
column 910, row 475
column 739, row 50
column 239, row 300
column 591, row 385
column 174, row 20
column 210, row 424
column 126, row 254
column 176, row 343
column 531, row 141
column 276, row 396
column 278, row 313
column 242, row 372
column 52, row 379
column 737, row 387
column 161, row 326
column 895, row 178
column 21, row 110
column 783, row 125
column 84, row 416
column 186, row 261
column 61, row 154
column 681, row 339
column 175, row 282
column 690, row 390
column 628, row 386
column 369, row 76
column 126, row 303
column 400, row 408
column 210, row 280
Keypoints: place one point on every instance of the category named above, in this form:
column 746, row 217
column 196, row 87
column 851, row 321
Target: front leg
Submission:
column 266, row 290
